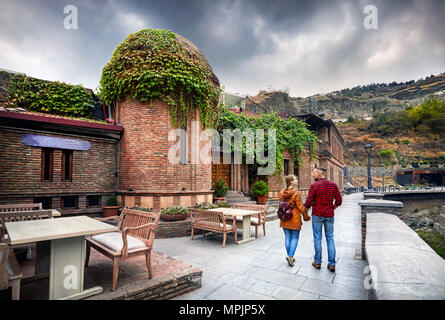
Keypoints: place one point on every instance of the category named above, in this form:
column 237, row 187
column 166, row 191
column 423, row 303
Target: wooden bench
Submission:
column 10, row 273
column 256, row 220
column 212, row 221
column 135, row 237
column 15, row 215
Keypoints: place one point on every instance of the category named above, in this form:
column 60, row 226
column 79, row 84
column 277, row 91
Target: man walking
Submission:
column 321, row 196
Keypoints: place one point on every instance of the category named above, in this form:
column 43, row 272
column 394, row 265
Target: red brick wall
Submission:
column 20, row 169
column 144, row 147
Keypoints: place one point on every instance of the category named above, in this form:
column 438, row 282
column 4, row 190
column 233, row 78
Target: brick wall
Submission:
column 20, row 170
column 144, row 163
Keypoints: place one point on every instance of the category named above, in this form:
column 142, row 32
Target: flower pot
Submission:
column 110, row 211
column 173, row 217
column 261, row 199
column 216, row 199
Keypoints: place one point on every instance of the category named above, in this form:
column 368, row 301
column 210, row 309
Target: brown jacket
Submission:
column 294, row 199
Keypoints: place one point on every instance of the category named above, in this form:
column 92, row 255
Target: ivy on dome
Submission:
column 154, row 65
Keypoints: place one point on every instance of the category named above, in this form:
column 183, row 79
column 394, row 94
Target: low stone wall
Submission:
column 402, row 265
column 174, row 229
column 376, row 205
column 372, row 195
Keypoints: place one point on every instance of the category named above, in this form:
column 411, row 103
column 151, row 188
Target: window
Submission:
column 67, row 165
column 69, row 202
column 93, row 201
column 45, row 201
column 286, row 167
column 47, row 164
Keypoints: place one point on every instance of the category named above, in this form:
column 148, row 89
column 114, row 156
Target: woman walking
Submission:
column 292, row 226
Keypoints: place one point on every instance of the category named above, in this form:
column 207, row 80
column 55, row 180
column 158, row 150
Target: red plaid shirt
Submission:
column 321, row 196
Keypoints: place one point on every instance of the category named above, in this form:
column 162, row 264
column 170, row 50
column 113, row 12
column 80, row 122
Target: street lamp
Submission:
column 368, row 149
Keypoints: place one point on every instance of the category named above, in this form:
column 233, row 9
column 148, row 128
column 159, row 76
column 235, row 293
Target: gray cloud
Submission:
column 309, row 46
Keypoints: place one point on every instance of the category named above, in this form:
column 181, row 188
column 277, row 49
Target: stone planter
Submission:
column 109, row 211
column 174, row 217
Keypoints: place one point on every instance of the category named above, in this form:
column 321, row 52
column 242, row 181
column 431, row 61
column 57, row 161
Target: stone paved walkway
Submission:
column 258, row 269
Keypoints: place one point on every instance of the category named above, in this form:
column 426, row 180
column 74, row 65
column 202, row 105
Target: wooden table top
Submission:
column 235, row 212
column 50, row 229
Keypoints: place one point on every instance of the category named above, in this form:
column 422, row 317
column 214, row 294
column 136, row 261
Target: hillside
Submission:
column 406, row 148
column 359, row 102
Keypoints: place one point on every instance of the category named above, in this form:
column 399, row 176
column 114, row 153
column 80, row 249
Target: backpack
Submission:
column 285, row 210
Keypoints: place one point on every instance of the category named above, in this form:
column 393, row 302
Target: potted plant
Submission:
column 111, row 208
column 175, row 213
column 222, row 204
column 220, row 188
column 260, row 189
column 206, row 206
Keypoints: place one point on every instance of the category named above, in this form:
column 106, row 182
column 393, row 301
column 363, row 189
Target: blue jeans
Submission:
column 291, row 240
column 317, row 224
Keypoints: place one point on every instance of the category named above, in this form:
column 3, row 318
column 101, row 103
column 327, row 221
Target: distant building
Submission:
column 430, row 176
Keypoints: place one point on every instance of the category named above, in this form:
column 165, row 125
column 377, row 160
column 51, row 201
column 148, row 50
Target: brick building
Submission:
column 42, row 159
column 329, row 151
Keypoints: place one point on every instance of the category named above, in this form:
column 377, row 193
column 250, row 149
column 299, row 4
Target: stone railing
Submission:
column 402, row 265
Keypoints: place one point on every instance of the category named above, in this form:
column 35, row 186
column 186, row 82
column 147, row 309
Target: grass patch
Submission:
column 435, row 240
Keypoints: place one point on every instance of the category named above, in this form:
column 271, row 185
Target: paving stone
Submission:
column 242, row 281
column 228, row 292
column 263, row 287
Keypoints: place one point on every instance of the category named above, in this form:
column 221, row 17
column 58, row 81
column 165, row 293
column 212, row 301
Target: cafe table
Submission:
column 245, row 224
column 67, row 250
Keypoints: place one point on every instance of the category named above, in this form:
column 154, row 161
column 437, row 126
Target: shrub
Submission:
column 222, row 204
column 386, row 153
column 350, row 119
column 205, row 206
column 405, row 141
column 174, row 210
column 112, row 201
column 140, row 209
column 220, row 188
column 260, row 188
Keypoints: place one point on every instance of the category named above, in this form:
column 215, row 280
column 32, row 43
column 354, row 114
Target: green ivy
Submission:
column 154, row 65
column 292, row 135
column 50, row 97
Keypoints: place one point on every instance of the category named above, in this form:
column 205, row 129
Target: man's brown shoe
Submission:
column 331, row 268
column 316, row 265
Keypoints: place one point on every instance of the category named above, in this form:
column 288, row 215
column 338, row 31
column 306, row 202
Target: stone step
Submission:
column 237, row 197
column 243, row 201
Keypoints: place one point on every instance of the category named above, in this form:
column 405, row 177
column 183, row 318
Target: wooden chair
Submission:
column 135, row 237
column 212, row 221
column 10, row 273
column 256, row 219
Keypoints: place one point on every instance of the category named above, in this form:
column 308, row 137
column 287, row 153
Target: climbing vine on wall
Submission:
column 291, row 135
column 154, row 65
column 50, row 97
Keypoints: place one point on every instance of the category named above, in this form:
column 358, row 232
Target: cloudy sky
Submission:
column 305, row 47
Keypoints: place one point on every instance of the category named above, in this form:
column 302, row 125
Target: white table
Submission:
column 245, row 225
column 67, row 236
